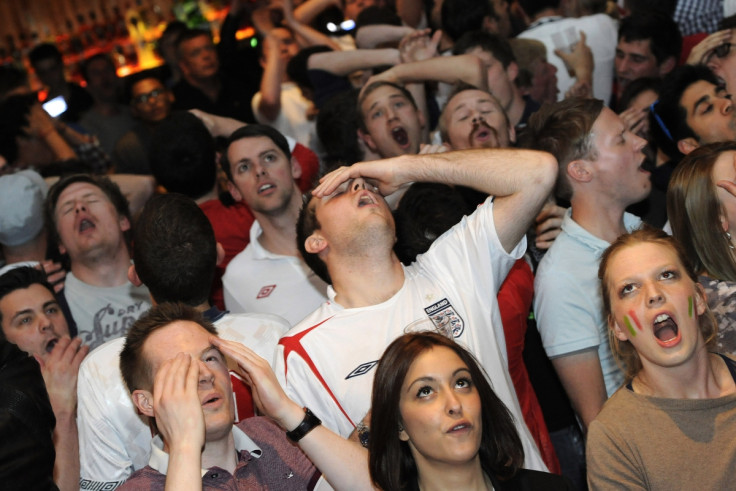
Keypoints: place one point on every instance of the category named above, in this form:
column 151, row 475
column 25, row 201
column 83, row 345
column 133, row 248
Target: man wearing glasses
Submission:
column 150, row 104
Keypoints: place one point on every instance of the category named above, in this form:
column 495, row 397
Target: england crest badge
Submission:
column 445, row 318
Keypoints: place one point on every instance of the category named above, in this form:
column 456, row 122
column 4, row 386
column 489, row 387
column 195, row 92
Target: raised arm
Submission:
column 307, row 11
column 345, row 62
column 372, row 35
column 344, row 463
column 273, row 75
column 519, row 179
column 308, row 36
column 448, row 69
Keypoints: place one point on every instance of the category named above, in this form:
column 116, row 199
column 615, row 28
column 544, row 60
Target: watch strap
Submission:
column 309, row 422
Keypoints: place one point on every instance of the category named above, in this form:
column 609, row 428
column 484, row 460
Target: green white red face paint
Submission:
column 690, row 306
column 629, row 325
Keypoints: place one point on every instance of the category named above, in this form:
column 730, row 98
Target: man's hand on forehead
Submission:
column 384, row 175
column 176, row 403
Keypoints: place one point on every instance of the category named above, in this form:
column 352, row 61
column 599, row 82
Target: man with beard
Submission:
column 473, row 118
column 268, row 276
column 502, row 70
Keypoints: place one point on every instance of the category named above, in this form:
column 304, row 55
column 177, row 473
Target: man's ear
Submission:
column 183, row 67
column 315, row 243
column 133, row 276
column 667, row 66
column 234, row 191
column 220, row 253
column 124, row 224
column 687, row 145
column 62, row 249
column 296, row 168
column 421, row 118
column 368, row 140
column 143, row 400
column 579, row 170
column 512, row 133
column 512, row 71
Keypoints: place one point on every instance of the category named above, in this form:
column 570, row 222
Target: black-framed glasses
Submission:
column 720, row 52
column 144, row 98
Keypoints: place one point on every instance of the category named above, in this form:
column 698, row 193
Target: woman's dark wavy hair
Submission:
column 391, row 464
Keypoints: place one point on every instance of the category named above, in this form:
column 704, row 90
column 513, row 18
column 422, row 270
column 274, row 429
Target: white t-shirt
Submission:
column 327, row 362
column 292, row 119
column 114, row 441
column 104, row 313
column 257, row 280
column 601, row 33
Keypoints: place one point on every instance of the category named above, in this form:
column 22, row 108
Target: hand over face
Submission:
column 60, row 372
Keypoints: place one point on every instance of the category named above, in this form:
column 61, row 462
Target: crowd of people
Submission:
column 459, row 244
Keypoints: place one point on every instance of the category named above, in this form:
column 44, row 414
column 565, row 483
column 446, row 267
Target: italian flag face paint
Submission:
column 635, row 319
column 627, row 322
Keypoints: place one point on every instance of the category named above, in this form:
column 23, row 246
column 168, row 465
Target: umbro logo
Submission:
column 362, row 369
column 265, row 291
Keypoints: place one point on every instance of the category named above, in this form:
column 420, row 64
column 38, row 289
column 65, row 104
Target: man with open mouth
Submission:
column 390, row 122
column 89, row 218
column 32, row 318
column 179, row 379
column 601, row 174
column 268, row 276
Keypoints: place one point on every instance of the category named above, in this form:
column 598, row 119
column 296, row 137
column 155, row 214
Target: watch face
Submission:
column 364, row 435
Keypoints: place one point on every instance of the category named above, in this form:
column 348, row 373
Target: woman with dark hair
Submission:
column 701, row 205
column 678, row 405
column 437, row 424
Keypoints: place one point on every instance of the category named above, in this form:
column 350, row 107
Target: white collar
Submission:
column 159, row 460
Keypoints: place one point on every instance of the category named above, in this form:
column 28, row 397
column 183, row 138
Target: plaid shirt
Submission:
column 694, row 16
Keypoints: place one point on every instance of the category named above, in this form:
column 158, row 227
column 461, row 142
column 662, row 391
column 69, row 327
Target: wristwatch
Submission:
column 309, row 422
column 364, row 433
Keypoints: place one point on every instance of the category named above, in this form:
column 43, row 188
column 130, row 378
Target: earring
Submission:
column 728, row 238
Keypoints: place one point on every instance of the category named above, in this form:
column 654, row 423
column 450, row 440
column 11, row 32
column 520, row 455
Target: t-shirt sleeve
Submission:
column 564, row 323
column 104, row 462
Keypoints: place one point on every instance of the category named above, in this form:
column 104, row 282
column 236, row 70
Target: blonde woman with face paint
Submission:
column 673, row 424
